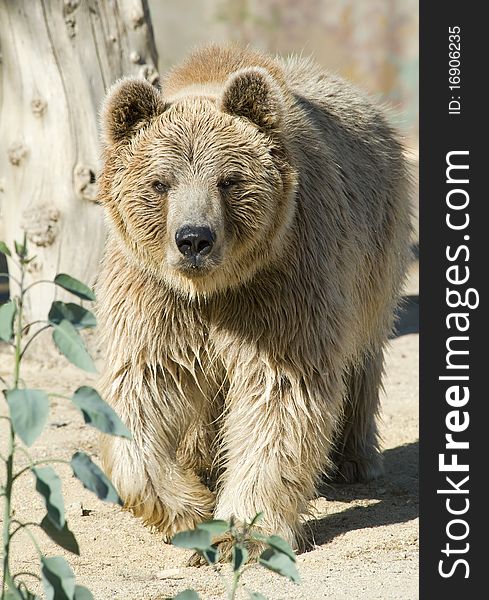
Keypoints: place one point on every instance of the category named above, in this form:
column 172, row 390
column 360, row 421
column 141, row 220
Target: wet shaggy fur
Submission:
column 246, row 373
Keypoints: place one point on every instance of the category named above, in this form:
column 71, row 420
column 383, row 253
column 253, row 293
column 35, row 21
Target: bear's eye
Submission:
column 160, row 187
column 227, row 183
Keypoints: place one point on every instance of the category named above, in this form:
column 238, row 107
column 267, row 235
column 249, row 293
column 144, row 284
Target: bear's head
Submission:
column 199, row 187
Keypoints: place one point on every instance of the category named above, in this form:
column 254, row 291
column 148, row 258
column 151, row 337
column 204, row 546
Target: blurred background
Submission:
column 372, row 42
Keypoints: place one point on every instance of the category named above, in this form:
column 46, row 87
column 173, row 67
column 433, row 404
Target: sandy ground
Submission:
column 366, row 536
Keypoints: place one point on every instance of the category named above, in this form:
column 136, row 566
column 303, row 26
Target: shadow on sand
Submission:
column 408, row 318
column 396, row 492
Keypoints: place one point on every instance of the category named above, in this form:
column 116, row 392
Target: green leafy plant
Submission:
column 28, row 413
column 278, row 556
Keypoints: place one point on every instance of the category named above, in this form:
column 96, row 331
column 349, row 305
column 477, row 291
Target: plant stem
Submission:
column 34, row 335
column 25, row 528
column 21, row 526
column 23, row 573
column 29, row 325
column 37, row 283
column 40, row 462
column 234, row 588
column 7, row 577
column 18, row 336
column 223, row 579
column 55, row 395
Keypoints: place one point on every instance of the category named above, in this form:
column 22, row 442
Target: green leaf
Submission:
column 20, row 250
column 239, row 557
column 211, row 555
column 7, row 315
column 82, row 593
column 257, row 596
column 256, row 518
column 29, row 411
column 13, row 594
column 4, row 249
column 94, row 479
column 27, row 595
column 216, row 527
column 79, row 317
column 279, row 544
column 58, row 578
column 76, row 287
column 98, row 413
column 63, row 537
column 69, row 343
column 16, row 593
column 279, row 563
column 187, row 595
column 48, row 484
column 197, row 539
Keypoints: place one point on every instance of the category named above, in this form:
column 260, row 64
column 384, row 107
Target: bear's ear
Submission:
column 252, row 93
column 129, row 104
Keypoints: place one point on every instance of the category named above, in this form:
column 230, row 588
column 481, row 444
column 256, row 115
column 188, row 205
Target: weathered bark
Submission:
column 58, row 59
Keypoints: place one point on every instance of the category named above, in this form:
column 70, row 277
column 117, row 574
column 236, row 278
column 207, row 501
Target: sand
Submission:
column 365, row 536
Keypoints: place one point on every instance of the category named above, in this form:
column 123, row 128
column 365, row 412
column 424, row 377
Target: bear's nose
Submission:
column 194, row 241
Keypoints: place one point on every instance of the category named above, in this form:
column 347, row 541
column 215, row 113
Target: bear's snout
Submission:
column 195, row 242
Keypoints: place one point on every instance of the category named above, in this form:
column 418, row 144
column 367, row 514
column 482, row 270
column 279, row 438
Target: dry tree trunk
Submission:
column 58, row 59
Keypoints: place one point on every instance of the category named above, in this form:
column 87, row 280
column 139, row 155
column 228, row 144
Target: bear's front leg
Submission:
column 277, row 436
column 152, row 482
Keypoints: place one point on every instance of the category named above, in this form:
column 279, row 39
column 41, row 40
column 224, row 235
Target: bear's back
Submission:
column 353, row 130
column 210, row 67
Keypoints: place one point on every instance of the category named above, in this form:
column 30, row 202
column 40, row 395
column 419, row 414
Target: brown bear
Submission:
column 258, row 221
